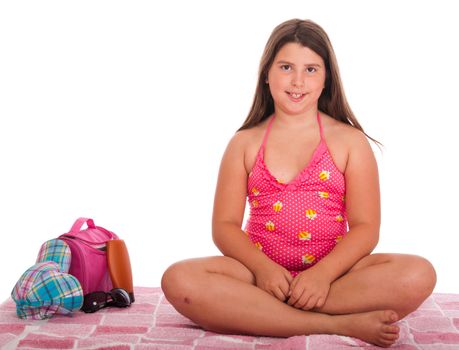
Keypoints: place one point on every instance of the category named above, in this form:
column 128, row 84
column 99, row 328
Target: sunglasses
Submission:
column 95, row 301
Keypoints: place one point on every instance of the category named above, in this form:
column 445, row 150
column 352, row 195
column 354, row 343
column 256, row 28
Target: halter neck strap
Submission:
column 268, row 129
column 320, row 126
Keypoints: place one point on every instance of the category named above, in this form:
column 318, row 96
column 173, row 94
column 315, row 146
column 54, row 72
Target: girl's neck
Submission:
column 296, row 121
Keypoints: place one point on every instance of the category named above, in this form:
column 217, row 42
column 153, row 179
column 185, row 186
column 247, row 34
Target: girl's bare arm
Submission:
column 362, row 207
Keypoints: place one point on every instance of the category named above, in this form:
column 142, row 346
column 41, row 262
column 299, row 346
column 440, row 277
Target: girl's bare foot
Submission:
column 373, row 327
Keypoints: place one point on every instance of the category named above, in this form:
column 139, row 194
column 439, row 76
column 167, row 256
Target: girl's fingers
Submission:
column 301, row 298
column 302, row 301
column 279, row 294
column 285, row 288
column 312, row 302
column 294, row 297
column 293, row 283
column 290, row 292
column 289, row 277
column 320, row 302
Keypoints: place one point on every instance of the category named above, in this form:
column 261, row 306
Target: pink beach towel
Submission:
column 152, row 323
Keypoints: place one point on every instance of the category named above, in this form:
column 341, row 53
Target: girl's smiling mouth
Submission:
column 296, row 97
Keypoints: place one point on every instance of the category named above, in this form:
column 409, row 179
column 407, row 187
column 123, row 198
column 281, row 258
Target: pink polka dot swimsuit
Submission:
column 298, row 223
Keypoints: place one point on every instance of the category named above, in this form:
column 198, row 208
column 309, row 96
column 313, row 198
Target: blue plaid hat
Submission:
column 58, row 251
column 43, row 290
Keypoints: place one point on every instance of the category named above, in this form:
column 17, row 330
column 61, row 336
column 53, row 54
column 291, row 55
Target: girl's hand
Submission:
column 309, row 289
column 274, row 279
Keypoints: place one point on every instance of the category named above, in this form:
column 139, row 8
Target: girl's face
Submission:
column 296, row 79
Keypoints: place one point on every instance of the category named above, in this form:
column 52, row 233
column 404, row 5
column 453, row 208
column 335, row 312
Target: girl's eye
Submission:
column 311, row 69
column 285, row 67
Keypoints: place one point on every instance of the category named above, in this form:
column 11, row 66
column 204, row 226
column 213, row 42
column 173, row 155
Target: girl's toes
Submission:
column 391, row 329
column 390, row 316
column 391, row 337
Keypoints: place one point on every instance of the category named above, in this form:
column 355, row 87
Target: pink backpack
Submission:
column 89, row 256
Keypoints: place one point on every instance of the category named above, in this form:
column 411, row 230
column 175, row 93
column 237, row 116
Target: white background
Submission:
column 121, row 111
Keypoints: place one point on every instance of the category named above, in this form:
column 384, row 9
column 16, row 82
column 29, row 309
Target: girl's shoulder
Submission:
column 247, row 142
column 342, row 134
column 343, row 140
column 252, row 137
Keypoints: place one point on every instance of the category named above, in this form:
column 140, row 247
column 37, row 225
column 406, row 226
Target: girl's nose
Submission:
column 298, row 80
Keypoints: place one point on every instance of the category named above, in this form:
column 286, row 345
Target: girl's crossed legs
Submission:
column 219, row 294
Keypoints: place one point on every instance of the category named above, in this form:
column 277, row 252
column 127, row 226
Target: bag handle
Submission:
column 90, row 222
column 80, row 222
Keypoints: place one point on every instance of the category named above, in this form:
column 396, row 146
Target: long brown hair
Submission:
column 309, row 34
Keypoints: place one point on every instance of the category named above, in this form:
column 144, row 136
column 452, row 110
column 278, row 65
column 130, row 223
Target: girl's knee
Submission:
column 421, row 276
column 427, row 274
column 175, row 281
column 414, row 281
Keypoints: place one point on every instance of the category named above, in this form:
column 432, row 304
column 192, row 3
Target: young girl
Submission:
column 303, row 264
